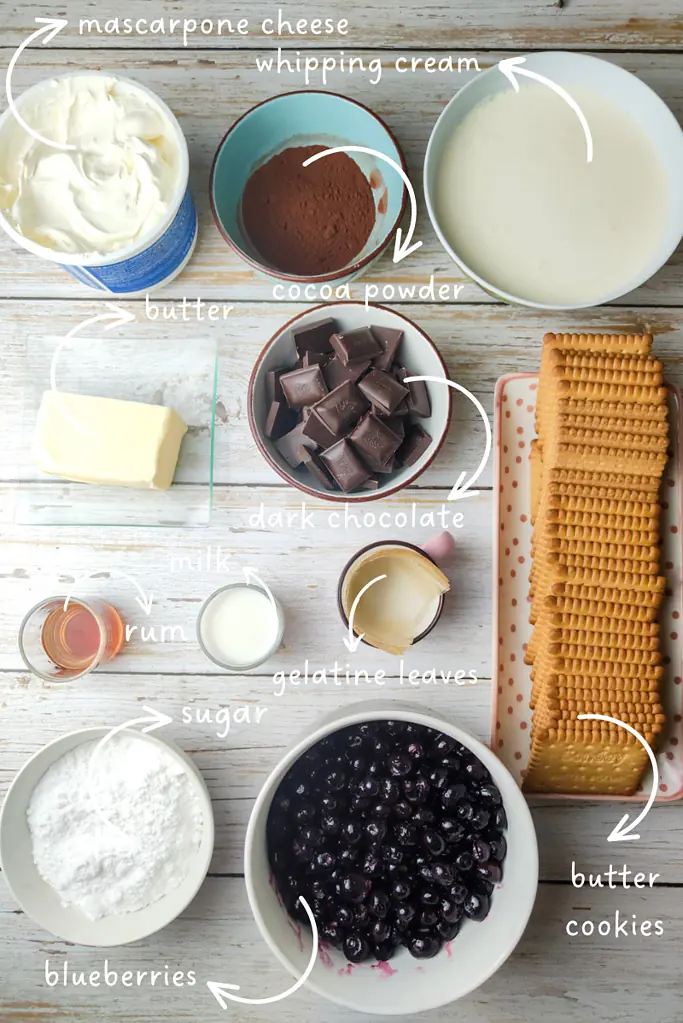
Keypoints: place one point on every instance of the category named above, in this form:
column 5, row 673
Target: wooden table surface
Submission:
column 208, row 84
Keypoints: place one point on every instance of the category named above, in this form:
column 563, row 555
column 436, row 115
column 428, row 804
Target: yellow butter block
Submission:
column 107, row 441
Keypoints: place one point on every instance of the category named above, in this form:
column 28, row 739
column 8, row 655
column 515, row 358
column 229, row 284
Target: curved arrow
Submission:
column 620, row 832
column 50, row 28
column 154, row 719
column 511, row 66
column 118, row 316
column 401, row 248
column 143, row 600
column 458, row 492
column 251, row 578
column 352, row 642
column 223, row 991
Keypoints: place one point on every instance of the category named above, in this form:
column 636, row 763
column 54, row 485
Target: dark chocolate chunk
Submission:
column 418, row 395
column 315, row 337
column 345, row 465
column 414, row 446
column 315, row 358
column 356, row 345
column 316, row 430
column 371, row 484
column 336, row 373
column 303, row 386
column 273, row 389
column 316, row 468
column 395, row 423
column 375, row 441
column 293, row 446
column 383, row 390
column 342, row 407
column 388, row 466
column 390, row 340
column 279, row 420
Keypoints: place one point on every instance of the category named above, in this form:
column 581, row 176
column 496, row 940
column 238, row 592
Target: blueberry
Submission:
column 357, row 764
column 380, row 811
column 416, row 750
column 360, row 804
column 423, row 946
column 479, row 818
column 447, row 931
column 400, row 765
column 352, row 832
column 406, row 834
column 392, row 853
column 428, row 895
column 481, row 850
column 343, row 916
column 443, row 744
column 369, row 786
column 499, row 819
column 379, row 932
column 476, row 771
column 464, row 860
column 404, row 914
column 458, row 893
column 389, row 790
column 442, row 873
column 499, row 848
column 349, row 856
column 305, row 814
column 401, row 890
column 416, row 790
column 311, row 836
column 464, row 810
column 331, row 933
column 490, row 793
column 361, row 917
column 490, row 871
column 403, row 809
column 354, row 888
column 423, row 815
column 301, row 851
column 450, row 910
column 453, row 831
column 356, row 948
column 372, row 865
column 325, row 860
column 433, row 842
column 425, row 871
column 384, row 951
column 376, row 768
column 375, row 831
column 330, row 824
column 476, row 906
column 438, row 778
column 452, row 795
column 303, row 789
column 355, row 740
column 378, row 905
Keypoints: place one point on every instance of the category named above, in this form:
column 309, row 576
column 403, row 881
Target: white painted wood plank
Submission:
column 236, row 760
column 478, row 344
column 549, row 977
column 576, row 24
column 209, row 92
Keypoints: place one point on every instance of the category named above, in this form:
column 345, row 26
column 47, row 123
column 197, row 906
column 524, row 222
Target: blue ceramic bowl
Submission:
column 304, row 119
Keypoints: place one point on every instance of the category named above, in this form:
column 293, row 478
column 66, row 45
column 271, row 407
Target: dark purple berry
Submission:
column 442, row 873
column 400, row 765
column 476, row 906
column 423, row 946
column 372, row 865
column 479, row 818
column 464, row 810
column 369, row 786
column 499, row 819
column 499, row 848
column 438, row 778
column 416, row 750
column 356, row 948
column 428, row 895
column 379, row 932
column 349, row 856
column 490, row 871
column 476, row 771
column 389, row 790
column 452, row 795
column 378, row 905
column 490, row 793
column 352, row 832
column 433, row 842
column 447, row 931
column 453, row 831
column 450, row 910
column 481, row 850
column 331, row 933
column 404, row 914
column 464, row 861
column 384, row 951
column 403, row 809
column 401, row 890
column 354, row 888
column 392, row 853
column 406, row 834
column 375, row 831
column 423, row 815
column 325, row 860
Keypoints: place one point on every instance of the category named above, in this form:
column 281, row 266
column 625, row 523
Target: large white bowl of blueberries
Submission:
column 412, row 845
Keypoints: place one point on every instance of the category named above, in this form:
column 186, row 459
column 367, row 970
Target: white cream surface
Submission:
column 522, row 207
column 108, row 192
column 240, row 626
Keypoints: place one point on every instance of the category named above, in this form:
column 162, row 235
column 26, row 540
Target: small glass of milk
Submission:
column 240, row 626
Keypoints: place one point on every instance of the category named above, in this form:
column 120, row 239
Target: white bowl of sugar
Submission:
column 106, row 852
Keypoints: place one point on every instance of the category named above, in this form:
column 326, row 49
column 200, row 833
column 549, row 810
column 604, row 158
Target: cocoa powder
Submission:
column 308, row 220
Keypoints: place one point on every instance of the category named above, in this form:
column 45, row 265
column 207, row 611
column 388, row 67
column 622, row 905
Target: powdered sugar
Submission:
column 150, row 800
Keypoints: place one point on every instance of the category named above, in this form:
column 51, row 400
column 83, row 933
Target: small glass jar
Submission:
column 210, row 619
column 64, row 638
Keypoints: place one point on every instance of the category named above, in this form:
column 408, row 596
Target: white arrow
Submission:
column 223, row 991
column 352, row 642
column 511, row 67
column 457, row 491
column 401, row 248
column 118, row 317
column 154, row 719
column 252, row 579
column 144, row 600
column 621, row 832
column 50, row 28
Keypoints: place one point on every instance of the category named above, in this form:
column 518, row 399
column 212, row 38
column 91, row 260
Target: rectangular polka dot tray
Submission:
column 515, row 401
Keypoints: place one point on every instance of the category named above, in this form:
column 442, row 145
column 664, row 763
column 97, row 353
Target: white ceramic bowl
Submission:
column 42, row 904
column 607, row 80
column 417, row 352
column 413, row 985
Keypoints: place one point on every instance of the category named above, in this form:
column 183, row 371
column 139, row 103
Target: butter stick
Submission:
column 107, row 441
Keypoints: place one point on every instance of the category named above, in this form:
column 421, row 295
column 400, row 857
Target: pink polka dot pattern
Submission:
column 511, row 712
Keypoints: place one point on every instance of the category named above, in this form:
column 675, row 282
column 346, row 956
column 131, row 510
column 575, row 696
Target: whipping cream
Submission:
column 113, row 189
column 521, row 206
